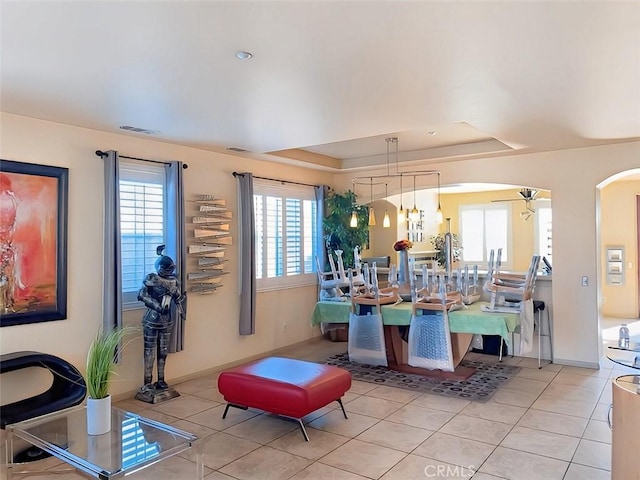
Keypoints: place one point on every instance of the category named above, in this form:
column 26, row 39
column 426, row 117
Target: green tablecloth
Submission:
column 465, row 320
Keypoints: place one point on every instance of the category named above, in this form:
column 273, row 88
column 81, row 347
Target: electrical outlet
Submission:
column 585, row 281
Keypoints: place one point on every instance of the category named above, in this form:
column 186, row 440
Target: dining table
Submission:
column 464, row 322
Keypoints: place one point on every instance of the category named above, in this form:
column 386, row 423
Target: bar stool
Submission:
column 538, row 308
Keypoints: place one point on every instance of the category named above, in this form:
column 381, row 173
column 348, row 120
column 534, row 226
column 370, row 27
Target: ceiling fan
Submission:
column 528, row 195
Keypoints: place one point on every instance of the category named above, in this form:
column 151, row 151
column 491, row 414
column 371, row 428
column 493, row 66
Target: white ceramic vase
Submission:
column 98, row 415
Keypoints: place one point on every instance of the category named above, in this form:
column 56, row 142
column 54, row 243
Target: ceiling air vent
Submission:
column 138, row 130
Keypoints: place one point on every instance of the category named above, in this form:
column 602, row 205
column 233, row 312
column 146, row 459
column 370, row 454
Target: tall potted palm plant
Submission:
column 339, row 234
column 101, row 361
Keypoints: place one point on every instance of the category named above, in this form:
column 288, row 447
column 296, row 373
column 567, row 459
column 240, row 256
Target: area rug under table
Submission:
column 479, row 387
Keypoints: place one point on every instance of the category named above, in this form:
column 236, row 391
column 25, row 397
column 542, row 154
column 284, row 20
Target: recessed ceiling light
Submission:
column 243, row 55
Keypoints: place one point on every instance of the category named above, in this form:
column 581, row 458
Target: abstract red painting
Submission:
column 33, row 223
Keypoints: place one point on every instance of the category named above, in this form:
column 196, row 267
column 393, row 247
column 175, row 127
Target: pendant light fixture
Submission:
column 386, row 222
column 402, row 214
column 414, row 216
column 353, row 223
column 439, row 215
column 372, row 213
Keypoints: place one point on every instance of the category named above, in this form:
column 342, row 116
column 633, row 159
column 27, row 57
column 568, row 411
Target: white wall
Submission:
column 571, row 176
column 212, row 322
column 211, row 337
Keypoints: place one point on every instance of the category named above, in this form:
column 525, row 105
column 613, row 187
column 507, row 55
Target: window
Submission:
column 483, row 228
column 286, row 234
column 543, row 229
column 142, row 223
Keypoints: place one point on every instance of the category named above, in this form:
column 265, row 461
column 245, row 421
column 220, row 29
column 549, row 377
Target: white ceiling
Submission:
column 332, row 78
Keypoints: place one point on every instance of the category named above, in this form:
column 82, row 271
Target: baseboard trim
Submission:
column 185, row 378
column 573, row 363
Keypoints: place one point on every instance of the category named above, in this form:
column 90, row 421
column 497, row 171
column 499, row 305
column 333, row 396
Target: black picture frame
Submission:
column 26, row 187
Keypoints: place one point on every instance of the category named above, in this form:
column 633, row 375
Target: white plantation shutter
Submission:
column 142, row 200
column 273, row 236
column 258, row 206
column 294, row 236
column 285, row 225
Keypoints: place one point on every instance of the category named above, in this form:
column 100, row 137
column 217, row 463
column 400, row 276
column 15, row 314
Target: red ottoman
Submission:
column 284, row 386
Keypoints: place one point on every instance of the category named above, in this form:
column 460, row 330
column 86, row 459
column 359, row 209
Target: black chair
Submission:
column 68, row 387
column 67, row 390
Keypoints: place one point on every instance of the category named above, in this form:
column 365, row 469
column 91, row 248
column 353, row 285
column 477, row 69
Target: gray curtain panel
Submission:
column 112, row 288
column 177, row 245
column 246, row 254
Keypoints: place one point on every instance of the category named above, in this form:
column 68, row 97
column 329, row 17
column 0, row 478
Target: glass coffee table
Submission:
column 133, row 443
column 629, row 357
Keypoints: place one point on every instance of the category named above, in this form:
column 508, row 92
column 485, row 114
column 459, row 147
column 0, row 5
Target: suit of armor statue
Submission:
column 158, row 292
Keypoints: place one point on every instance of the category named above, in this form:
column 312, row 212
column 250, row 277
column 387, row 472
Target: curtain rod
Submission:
column 237, row 174
column 101, row 154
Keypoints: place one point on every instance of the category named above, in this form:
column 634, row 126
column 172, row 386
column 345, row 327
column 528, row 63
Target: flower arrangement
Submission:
column 402, row 245
column 438, row 243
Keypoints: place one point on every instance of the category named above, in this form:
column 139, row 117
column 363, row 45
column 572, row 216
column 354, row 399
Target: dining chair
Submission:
column 429, row 341
column 366, row 342
column 514, row 287
column 514, row 292
column 329, row 284
column 357, row 279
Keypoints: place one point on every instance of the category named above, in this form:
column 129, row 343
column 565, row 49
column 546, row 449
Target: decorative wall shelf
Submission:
column 211, row 237
column 615, row 265
column 415, row 228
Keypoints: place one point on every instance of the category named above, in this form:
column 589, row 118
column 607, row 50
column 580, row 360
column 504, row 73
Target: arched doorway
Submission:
column 619, row 244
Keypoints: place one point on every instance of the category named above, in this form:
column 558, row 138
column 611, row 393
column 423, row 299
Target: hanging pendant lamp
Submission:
column 414, row 216
column 439, row 214
column 386, row 222
column 353, row 223
column 372, row 214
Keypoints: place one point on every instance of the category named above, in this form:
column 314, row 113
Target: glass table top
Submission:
column 629, row 357
column 133, row 443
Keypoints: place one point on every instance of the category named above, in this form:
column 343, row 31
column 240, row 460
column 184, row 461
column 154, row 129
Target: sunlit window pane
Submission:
column 483, row 228
column 273, row 240
column 141, row 229
column 544, row 232
column 496, row 231
column 286, row 231
column 472, row 230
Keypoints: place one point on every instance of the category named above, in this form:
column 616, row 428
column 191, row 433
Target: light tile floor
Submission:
column 543, row 425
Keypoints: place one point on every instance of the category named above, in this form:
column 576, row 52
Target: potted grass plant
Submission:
column 101, row 361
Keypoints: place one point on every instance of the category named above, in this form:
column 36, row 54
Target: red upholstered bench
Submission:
column 284, row 386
